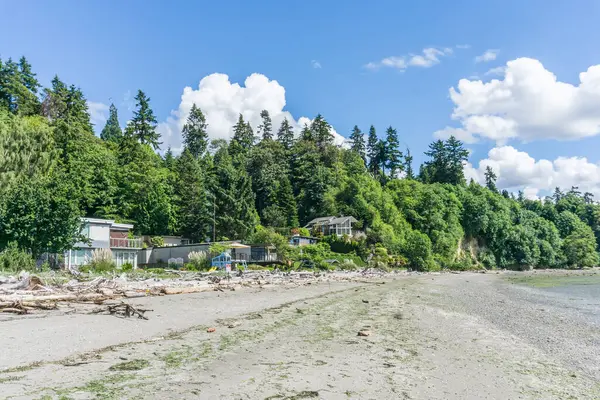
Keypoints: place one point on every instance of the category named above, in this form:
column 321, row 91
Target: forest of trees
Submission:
column 54, row 169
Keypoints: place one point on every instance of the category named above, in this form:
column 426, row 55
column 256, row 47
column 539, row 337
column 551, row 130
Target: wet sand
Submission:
column 449, row 336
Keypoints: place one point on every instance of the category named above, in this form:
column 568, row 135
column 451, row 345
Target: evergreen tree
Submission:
column 266, row 128
column 27, row 76
column 285, row 135
column 112, row 131
column 408, row 165
column 446, row 164
column 195, row 135
column 558, row 195
column 490, row 179
column 457, row 156
column 321, row 131
column 393, row 155
column 373, row 151
column 307, row 134
column 236, row 215
column 142, row 126
column 54, row 105
column 169, row 159
column 357, row 143
column 287, row 203
column 194, row 211
column 242, row 134
column 18, row 88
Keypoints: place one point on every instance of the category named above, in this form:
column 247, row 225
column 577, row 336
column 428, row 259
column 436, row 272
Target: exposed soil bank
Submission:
column 451, row 336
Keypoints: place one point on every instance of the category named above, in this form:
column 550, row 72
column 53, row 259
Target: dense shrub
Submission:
column 13, row 259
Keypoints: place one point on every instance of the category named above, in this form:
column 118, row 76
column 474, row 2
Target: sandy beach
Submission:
column 444, row 336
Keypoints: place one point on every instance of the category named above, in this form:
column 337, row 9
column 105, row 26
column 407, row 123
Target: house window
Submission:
column 85, row 231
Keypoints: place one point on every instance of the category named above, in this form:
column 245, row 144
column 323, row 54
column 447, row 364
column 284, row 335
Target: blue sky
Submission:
column 112, row 48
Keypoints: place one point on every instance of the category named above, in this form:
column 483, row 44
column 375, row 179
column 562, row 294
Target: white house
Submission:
column 332, row 225
column 105, row 234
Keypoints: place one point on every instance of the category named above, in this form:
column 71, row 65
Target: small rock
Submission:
column 366, row 301
column 234, row 324
column 211, row 330
column 123, row 358
column 364, row 332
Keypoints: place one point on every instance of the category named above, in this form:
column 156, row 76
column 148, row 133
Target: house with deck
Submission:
column 105, row 234
column 339, row 226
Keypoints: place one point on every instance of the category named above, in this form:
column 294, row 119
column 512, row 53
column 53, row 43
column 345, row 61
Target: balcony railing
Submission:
column 126, row 243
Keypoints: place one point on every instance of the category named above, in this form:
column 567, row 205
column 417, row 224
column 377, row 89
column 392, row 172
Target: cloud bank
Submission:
column 222, row 101
column 528, row 104
column 518, row 170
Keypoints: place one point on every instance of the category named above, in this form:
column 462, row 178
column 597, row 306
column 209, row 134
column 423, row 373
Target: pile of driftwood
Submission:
column 122, row 309
column 25, row 293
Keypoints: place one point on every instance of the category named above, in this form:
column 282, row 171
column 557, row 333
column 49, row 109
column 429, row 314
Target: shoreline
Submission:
column 451, row 336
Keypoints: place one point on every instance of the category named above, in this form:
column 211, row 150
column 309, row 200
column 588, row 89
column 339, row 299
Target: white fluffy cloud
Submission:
column 222, row 101
column 430, row 56
column 528, row 104
column 489, row 55
column 98, row 113
column 315, row 64
column 518, row 170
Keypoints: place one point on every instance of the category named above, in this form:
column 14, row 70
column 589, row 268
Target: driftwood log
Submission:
column 122, row 309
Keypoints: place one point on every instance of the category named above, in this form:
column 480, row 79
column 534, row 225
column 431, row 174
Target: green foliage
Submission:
column 112, row 130
column 142, row 127
column 446, row 164
column 357, row 143
column 26, row 148
column 13, row 259
column 393, row 155
column 265, row 130
column 285, row 135
column 53, row 169
column 157, row 241
column 268, row 236
column 217, row 248
column 102, row 261
column 40, row 215
column 195, row 135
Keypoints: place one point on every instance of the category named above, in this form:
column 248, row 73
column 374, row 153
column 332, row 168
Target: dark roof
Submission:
column 331, row 220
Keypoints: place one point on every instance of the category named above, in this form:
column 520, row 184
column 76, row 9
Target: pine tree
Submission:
column 393, row 155
column 287, row 203
column 54, row 105
column 447, row 162
column 266, row 128
column 321, row 131
column 490, row 179
column 142, row 126
column 307, row 134
column 558, row 194
column 408, row 165
column 236, row 215
column 357, row 143
column 169, row 159
column 195, row 135
column 112, row 131
column 242, row 134
column 434, row 170
column 27, row 76
column 18, row 88
column 194, row 213
column 373, row 151
column 285, row 135
column 457, row 156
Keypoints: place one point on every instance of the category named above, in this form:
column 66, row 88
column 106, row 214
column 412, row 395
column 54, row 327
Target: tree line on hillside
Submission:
column 54, row 169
